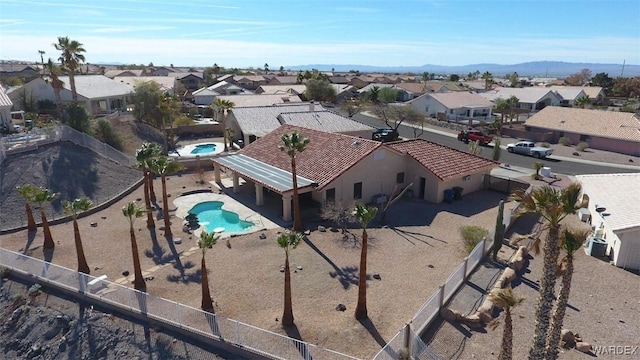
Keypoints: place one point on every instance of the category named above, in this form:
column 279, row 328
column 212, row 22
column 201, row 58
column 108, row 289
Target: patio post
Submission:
column 216, row 173
column 286, row 207
column 236, row 182
column 259, row 194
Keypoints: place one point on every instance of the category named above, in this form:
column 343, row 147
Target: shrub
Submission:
column 472, row 235
column 495, row 155
column 4, row 272
column 183, row 120
column 545, row 144
column 104, row 132
column 565, row 141
column 582, row 146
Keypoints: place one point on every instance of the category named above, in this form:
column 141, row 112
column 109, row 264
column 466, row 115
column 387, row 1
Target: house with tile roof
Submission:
column 97, row 93
column 345, row 169
column 5, row 109
column 569, row 95
column 129, row 73
column 529, row 98
column 456, row 106
column 166, row 83
column 604, row 130
column 595, row 93
column 613, row 205
column 296, row 89
column 207, row 95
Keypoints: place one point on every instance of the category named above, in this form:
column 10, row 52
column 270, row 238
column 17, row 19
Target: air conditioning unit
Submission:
column 379, row 199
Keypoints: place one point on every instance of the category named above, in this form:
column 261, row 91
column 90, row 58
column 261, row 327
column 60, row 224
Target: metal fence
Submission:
column 169, row 312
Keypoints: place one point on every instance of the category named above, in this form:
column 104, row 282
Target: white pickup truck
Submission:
column 529, row 148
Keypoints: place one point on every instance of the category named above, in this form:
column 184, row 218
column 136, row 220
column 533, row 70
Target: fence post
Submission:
column 441, row 302
column 238, row 333
column 406, row 341
column 464, row 268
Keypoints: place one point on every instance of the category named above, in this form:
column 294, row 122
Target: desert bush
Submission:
column 472, row 235
column 495, row 155
column 565, row 141
column 582, row 146
column 545, row 144
column 4, row 272
column 104, row 132
column 183, row 120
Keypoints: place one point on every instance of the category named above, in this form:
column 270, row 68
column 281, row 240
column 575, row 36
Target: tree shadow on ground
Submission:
column 30, row 237
column 371, row 328
column 293, row 332
column 410, row 236
column 176, row 255
column 157, row 253
column 346, row 275
column 72, row 173
column 187, row 277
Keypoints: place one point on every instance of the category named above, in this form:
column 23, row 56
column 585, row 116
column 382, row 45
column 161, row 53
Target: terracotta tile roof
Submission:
column 460, row 99
column 327, row 156
column 414, row 87
column 600, row 123
column 444, row 162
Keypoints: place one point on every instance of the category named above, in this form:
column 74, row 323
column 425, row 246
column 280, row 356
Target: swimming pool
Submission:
column 199, row 149
column 204, row 149
column 211, row 216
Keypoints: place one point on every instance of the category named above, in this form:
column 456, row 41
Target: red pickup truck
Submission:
column 474, row 135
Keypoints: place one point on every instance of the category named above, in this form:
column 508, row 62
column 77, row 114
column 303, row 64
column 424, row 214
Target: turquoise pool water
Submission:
column 204, row 149
column 211, row 216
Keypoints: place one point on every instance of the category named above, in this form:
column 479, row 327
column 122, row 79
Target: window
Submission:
column 585, row 138
column 331, row 195
column 561, row 134
column 400, row 178
column 357, row 191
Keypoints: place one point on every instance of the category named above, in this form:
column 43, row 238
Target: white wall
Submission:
column 627, row 249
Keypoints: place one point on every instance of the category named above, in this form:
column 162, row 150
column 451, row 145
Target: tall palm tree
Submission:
column 74, row 207
column 294, row 144
column 364, row 214
column 71, row 58
column 144, row 155
column 512, row 104
column 288, row 240
column 132, row 211
column 169, row 106
column 54, row 72
column 163, row 166
column 488, row 80
column 41, row 196
column 207, row 240
column 553, row 206
column 506, row 299
column 41, row 52
column 571, row 242
column 27, row 191
column 222, row 107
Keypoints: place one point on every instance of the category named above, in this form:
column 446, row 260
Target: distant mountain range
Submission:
column 531, row 69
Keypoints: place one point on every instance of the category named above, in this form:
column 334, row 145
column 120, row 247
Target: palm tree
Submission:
column 223, row 107
column 71, row 58
column 364, row 215
column 169, row 106
column 488, row 80
column 537, row 166
column 132, row 211
column 27, row 191
column 207, row 240
column 571, row 242
column 294, row 144
column 506, row 299
column 266, row 68
column 553, row 206
column 41, row 52
column 74, row 207
column 54, row 72
column 144, row 154
column 582, row 101
column 162, row 166
column 512, row 103
column 41, row 196
column 288, row 240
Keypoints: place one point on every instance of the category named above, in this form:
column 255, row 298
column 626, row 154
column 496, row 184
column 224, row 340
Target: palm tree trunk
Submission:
column 224, row 132
column 297, row 221
column 31, row 222
column 207, row 303
column 361, row 308
column 546, row 297
column 287, row 316
column 553, row 338
column 48, row 239
column 147, row 202
column 59, row 103
column 165, row 208
column 152, row 193
column 72, row 83
column 506, row 351
column 83, row 267
column 138, row 281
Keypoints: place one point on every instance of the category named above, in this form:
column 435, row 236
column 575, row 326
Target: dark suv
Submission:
column 385, row 135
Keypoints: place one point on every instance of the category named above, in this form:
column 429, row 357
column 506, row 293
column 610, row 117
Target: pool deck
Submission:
column 187, row 202
column 184, row 152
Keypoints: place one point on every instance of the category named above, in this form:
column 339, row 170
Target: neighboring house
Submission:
column 283, row 80
column 569, row 95
column 613, row 204
column 128, row 73
column 166, row 83
column 98, row 94
column 192, row 81
column 530, row 98
column 249, row 82
column 162, row 71
column 344, row 92
column 204, row 96
column 544, row 81
column 595, row 93
column 295, row 89
column 5, row 109
column 22, row 71
column 455, row 105
column 342, row 80
column 412, row 89
column 403, row 95
column 260, row 100
column 342, row 169
column 326, row 121
column 227, row 88
column 604, row 130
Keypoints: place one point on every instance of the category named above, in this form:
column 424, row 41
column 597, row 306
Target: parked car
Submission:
column 385, row 135
column 529, row 148
column 474, row 135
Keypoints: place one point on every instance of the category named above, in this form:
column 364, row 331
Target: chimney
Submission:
column 311, row 106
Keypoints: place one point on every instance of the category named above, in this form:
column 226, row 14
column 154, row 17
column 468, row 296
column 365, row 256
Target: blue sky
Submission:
column 244, row 33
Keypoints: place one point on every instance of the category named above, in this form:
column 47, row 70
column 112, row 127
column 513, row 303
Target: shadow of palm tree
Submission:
column 186, row 278
column 371, row 328
column 346, row 275
column 409, row 235
column 30, row 237
column 293, row 332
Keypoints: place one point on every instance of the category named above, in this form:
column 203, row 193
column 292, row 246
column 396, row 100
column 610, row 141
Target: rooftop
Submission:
column 261, row 120
column 323, row 121
column 618, row 193
column 97, row 86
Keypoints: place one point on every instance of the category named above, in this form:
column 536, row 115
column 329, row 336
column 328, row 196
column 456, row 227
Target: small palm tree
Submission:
column 288, row 240
column 293, row 144
column 506, row 299
column 571, row 242
column 132, row 211
column 71, row 58
column 223, row 107
column 163, row 166
column 74, row 208
column 207, row 240
column 583, row 102
column 364, row 214
column 27, row 192
column 537, row 166
column 41, row 196
column 54, row 72
column 488, row 80
column 553, row 206
column 144, row 155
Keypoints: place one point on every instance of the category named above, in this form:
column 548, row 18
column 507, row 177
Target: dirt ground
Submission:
column 412, row 256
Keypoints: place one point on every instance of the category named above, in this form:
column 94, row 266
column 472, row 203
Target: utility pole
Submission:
column 623, row 63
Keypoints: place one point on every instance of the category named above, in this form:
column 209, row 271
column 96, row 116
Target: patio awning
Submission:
column 270, row 176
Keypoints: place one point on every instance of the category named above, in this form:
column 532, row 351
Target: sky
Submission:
column 250, row 33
